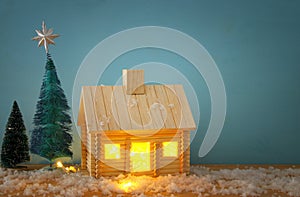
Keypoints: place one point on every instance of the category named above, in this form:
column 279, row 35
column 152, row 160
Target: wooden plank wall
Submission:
column 159, row 165
column 83, row 147
column 157, row 156
column 91, row 152
column 185, row 152
column 82, row 123
column 169, row 165
column 113, row 166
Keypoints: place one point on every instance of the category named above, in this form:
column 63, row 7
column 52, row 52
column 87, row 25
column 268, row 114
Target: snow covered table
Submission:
column 204, row 180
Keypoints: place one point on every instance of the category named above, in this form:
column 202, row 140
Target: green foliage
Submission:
column 51, row 137
column 15, row 142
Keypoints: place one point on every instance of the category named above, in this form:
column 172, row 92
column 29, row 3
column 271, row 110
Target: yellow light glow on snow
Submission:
column 112, row 151
column 127, row 186
column 140, row 156
column 170, row 149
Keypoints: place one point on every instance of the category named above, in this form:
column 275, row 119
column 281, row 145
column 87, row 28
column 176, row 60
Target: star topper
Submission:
column 45, row 37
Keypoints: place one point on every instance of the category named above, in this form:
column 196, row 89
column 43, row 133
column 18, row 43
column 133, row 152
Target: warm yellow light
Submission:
column 140, row 156
column 127, row 186
column 59, row 164
column 70, row 169
column 170, row 149
column 112, row 151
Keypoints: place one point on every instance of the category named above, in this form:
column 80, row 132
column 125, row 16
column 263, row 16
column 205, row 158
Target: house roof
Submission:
column 109, row 108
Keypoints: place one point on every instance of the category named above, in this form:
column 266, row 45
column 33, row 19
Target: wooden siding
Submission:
column 83, row 147
column 97, row 165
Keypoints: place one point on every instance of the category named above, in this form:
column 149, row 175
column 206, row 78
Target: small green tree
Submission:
column 51, row 137
column 15, row 147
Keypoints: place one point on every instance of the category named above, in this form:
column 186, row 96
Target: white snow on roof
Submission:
column 202, row 181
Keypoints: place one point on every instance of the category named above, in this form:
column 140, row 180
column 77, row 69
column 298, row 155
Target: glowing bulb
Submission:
column 70, row 169
column 59, row 164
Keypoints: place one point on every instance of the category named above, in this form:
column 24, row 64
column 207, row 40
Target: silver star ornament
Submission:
column 45, row 37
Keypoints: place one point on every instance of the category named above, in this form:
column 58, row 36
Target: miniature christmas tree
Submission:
column 15, row 142
column 51, row 137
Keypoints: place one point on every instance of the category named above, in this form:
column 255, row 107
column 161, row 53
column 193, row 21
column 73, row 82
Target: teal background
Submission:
column 255, row 44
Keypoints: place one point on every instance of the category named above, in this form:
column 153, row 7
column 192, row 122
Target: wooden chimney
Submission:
column 133, row 80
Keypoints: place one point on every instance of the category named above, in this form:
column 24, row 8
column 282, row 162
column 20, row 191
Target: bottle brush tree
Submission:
column 15, row 147
column 51, row 137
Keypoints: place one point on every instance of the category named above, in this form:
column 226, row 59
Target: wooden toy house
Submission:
column 135, row 128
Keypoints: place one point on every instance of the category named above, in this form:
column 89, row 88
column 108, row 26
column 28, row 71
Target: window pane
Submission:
column 112, row 151
column 140, row 156
column 170, row 149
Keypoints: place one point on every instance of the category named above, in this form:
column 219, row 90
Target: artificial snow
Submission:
column 155, row 105
column 202, row 181
column 132, row 103
column 171, row 105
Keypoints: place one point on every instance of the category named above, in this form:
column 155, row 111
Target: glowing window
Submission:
column 170, row 149
column 140, row 156
column 112, row 151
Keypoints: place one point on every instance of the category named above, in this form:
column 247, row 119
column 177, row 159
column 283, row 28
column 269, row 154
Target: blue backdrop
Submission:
column 255, row 44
